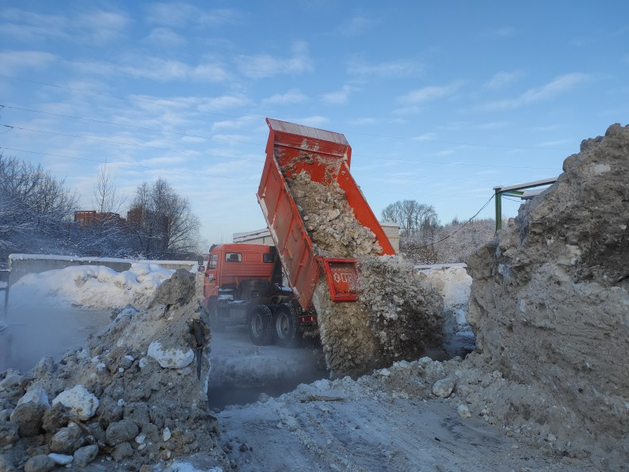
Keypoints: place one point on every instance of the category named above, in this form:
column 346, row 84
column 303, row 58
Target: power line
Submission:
column 129, row 164
column 498, row 146
column 245, row 159
column 462, row 226
column 144, row 128
column 139, row 98
column 118, row 143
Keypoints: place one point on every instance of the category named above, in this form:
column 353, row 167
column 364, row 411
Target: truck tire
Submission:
column 261, row 325
column 215, row 323
column 285, row 325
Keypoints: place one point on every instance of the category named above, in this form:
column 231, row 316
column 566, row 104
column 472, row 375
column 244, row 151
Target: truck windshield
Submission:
column 212, row 262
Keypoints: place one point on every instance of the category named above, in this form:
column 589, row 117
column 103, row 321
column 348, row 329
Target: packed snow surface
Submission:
column 97, row 287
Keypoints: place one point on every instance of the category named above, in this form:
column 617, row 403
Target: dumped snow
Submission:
column 96, row 287
column 397, row 316
column 330, row 220
column 129, row 403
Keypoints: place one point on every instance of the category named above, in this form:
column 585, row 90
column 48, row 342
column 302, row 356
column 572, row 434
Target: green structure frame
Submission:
column 518, row 190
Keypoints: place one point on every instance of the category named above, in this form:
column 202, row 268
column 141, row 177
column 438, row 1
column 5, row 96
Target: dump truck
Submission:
column 243, row 285
column 270, row 288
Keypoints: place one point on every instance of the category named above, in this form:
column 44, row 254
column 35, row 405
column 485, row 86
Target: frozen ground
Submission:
column 389, row 421
column 394, row 420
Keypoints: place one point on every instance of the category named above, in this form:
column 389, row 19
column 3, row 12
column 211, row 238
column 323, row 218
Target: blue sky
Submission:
column 440, row 102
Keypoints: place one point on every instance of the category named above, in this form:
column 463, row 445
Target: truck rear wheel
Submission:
column 285, row 325
column 261, row 325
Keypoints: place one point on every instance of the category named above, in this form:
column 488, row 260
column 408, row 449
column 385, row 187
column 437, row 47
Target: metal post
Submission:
column 498, row 195
column 4, row 279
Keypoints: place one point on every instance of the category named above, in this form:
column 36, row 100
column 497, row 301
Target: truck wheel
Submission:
column 285, row 325
column 261, row 325
column 215, row 323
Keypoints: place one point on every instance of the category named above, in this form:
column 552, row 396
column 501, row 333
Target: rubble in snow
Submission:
column 349, row 344
column 330, row 220
column 405, row 312
column 136, row 395
column 550, row 296
column 397, row 315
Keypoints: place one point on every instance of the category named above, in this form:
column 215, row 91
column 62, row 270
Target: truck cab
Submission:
column 237, row 269
column 242, row 284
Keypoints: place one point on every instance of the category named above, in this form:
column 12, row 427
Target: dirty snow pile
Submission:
column 550, row 299
column 330, row 220
column 405, row 313
column 135, row 396
column 357, row 338
column 92, row 286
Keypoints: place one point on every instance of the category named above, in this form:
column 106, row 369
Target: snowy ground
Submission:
column 54, row 311
column 393, row 420
column 389, row 421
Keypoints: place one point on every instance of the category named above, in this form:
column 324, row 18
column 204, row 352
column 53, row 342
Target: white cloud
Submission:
column 29, row 26
column 398, row 68
column 165, row 37
column 161, row 70
column 14, row 61
column 430, row 93
column 224, row 102
column 244, row 121
column 293, row 96
column 210, row 72
column 101, row 26
column 265, row 65
column 493, row 125
column 561, row 84
column 339, row 97
column 425, row 137
column 181, row 15
column 561, row 142
column 502, row 32
column 157, row 69
column 357, row 25
column 502, row 78
column 175, row 14
column 96, row 26
column 363, row 121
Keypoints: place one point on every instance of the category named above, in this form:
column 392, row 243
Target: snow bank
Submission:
column 97, row 287
column 452, row 282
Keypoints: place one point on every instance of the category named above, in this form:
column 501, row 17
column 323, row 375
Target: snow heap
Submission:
column 136, row 395
column 91, row 286
column 396, row 319
column 550, row 299
column 329, row 219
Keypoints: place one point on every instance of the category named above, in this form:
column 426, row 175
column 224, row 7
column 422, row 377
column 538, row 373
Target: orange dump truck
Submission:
column 249, row 289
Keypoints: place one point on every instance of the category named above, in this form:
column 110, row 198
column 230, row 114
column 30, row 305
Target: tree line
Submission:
column 37, row 215
column 424, row 240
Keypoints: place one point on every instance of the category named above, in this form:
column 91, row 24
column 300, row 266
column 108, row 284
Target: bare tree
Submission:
column 106, row 199
column 411, row 216
column 35, row 209
column 453, row 242
column 162, row 222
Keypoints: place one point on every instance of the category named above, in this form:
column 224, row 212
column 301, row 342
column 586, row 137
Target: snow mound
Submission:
column 96, row 287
